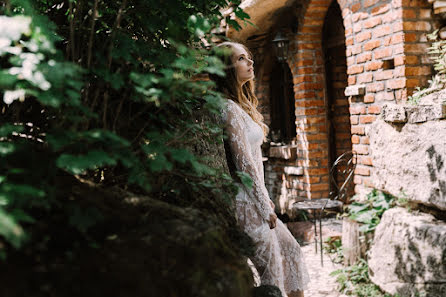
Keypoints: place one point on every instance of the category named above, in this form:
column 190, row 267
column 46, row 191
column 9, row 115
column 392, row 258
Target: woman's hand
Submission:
column 272, row 220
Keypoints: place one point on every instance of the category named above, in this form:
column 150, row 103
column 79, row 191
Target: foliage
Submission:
column 333, row 246
column 369, row 211
column 107, row 92
column 354, row 280
column 438, row 54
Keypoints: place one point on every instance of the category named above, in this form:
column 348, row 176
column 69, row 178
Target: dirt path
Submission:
column 321, row 284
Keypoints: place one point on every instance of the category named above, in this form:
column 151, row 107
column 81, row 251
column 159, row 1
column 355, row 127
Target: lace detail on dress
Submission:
column 237, row 127
column 278, row 257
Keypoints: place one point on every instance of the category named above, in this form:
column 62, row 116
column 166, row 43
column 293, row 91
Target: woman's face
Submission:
column 244, row 66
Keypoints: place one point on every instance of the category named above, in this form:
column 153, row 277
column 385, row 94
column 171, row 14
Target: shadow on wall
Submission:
column 411, row 269
column 435, row 165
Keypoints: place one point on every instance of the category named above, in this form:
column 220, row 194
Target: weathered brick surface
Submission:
column 384, row 51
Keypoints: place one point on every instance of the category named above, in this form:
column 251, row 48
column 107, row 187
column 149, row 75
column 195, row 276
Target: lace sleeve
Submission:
column 243, row 159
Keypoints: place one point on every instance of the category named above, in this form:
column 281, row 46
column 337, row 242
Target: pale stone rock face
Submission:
column 408, row 255
column 410, row 160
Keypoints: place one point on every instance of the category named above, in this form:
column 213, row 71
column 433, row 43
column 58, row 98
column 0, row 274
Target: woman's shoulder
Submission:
column 231, row 109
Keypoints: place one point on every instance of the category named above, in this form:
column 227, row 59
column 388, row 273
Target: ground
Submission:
column 321, row 283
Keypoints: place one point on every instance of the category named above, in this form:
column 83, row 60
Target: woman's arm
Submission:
column 243, row 160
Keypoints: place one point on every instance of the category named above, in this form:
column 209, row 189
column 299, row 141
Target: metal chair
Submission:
column 342, row 170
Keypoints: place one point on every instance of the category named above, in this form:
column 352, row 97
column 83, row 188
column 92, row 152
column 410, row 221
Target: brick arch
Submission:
column 307, row 66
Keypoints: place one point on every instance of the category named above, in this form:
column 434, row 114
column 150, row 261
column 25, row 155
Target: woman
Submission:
column 278, row 257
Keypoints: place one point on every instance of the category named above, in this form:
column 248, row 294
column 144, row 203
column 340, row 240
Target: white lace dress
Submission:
column 278, row 257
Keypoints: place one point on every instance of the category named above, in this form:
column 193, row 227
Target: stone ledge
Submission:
column 285, row 152
column 292, row 170
column 395, row 113
column 357, row 90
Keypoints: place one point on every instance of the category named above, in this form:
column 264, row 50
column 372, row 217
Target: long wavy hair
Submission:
column 243, row 95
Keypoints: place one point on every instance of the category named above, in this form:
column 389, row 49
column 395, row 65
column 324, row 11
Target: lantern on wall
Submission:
column 280, row 43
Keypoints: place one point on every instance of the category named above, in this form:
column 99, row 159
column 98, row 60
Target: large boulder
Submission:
column 410, row 160
column 408, row 255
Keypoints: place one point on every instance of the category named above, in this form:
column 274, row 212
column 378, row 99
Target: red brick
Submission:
column 409, row 14
column 368, row 3
column 309, row 103
column 372, row 22
column 412, row 82
column 363, row 36
column 400, row 60
column 351, row 80
column 420, row 70
column 365, row 140
column 357, row 180
column 381, row 31
column 417, row 26
column 410, row 37
column 355, row 139
column 369, row 98
column 319, row 187
column 380, row 9
column 365, row 161
column 412, row 60
column 374, row 109
column 396, row 83
column 361, row 149
column 374, row 65
column 357, row 109
column 367, row 56
column 384, row 96
column 398, row 49
column 349, row 41
column 425, row 13
column 354, row 120
column 360, row 130
column 365, row 78
column 397, row 38
column 382, row 53
column 375, row 87
column 306, row 62
column 355, row 7
column 398, row 71
column 366, row 119
column 384, row 75
column 354, row 69
column 387, row 40
column 362, row 171
column 372, row 44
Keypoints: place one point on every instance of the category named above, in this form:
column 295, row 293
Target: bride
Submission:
column 278, row 257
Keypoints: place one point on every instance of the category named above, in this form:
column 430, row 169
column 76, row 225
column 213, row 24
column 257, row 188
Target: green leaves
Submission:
column 369, row 212
column 78, row 164
column 245, row 179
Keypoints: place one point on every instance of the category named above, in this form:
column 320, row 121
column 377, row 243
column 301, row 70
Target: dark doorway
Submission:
column 283, row 118
column 337, row 105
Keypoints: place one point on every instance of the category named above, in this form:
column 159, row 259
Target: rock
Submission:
column 394, row 113
column 267, row 291
column 408, row 255
column 410, row 158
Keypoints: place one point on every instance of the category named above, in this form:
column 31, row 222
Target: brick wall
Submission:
column 385, row 52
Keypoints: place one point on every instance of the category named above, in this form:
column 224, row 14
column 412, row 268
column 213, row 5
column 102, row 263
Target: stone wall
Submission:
column 408, row 147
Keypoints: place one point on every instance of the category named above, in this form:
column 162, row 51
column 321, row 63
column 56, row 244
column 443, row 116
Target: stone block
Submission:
column 410, row 160
column 356, row 90
column 407, row 256
column 285, row 152
column 293, row 170
column 423, row 113
column 394, row 113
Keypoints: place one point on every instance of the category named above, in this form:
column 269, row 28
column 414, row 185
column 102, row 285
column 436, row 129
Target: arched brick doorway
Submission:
column 314, row 94
column 337, row 105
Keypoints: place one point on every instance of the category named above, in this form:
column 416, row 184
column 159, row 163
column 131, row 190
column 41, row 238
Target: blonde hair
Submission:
column 244, row 94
